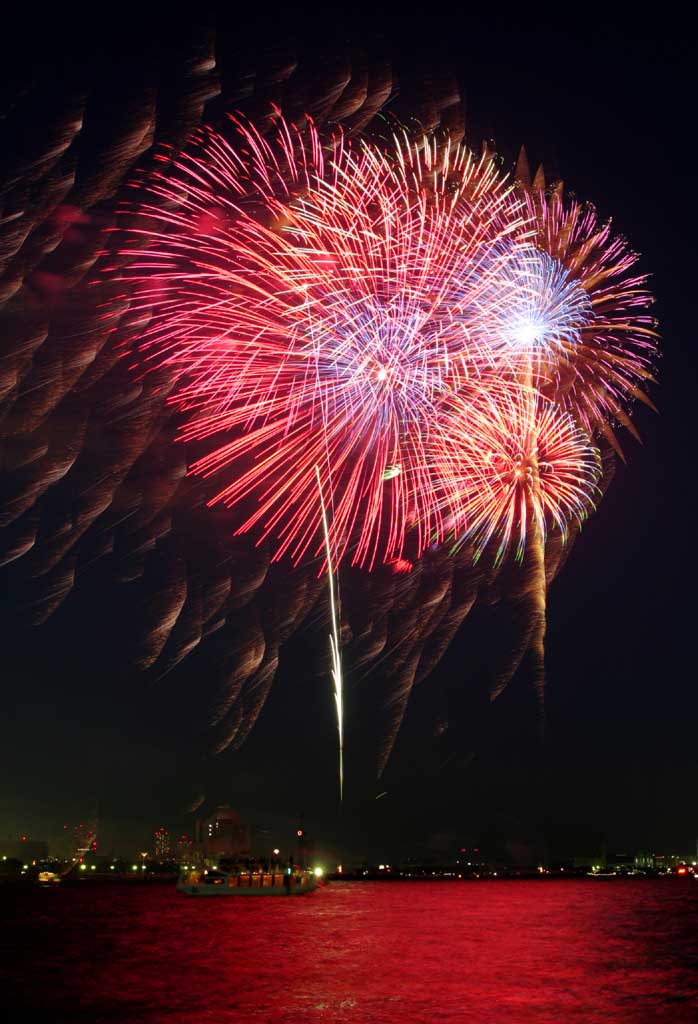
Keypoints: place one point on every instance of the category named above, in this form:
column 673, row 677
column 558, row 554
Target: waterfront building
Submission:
column 223, row 834
column 23, row 848
column 161, row 843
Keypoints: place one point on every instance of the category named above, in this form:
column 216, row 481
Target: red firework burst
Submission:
column 314, row 307
column 517, row 464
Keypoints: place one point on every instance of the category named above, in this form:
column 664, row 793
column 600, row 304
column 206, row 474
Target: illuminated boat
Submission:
column 216, row 882
column 49, row 878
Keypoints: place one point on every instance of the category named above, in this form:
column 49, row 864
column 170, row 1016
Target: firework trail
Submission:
column 335, row 653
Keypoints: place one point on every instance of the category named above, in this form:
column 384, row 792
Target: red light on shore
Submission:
column 299, row 833
column 682, row 870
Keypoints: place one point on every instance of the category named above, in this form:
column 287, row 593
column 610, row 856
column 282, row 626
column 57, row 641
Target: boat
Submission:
column 217, row 882
column 49, row 878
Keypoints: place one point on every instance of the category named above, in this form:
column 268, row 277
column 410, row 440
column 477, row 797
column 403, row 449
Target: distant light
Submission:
column 111, row 867
column 318, row 872
column 142, row 867
column 25, row 866
column 299, row 832
column 92, row 867
column 275, row 852
column 381, row 867
column 83, row 867
column 134, row 867
column 339, row 869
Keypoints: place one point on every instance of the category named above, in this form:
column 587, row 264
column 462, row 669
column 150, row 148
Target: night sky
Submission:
column 608, row 107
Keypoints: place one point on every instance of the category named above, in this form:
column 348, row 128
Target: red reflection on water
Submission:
column 540, row 952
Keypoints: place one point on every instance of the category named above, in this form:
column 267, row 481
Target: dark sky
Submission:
column 608, row 106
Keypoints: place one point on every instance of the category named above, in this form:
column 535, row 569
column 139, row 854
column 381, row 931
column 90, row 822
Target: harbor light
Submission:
column 83, row 867
column 318, row 872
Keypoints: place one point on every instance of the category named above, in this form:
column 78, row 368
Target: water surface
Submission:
column 525, row 952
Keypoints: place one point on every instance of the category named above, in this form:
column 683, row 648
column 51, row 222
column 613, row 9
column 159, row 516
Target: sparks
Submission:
column 335, row 652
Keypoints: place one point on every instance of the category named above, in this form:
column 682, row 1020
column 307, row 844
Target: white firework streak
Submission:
column 334, row 640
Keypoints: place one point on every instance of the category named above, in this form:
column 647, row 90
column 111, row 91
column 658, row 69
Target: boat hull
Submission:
column 220, row 890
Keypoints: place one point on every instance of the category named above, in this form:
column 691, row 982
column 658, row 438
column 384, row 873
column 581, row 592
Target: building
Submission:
column 223, row 834
column 183, row 848
column 23, row 849
column 161, row 843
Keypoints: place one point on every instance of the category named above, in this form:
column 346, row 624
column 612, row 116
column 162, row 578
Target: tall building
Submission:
column 183, row 848
column 224, row 834
column 162, row 843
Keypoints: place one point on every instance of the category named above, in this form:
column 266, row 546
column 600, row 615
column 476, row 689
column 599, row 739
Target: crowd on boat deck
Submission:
column 258, row 866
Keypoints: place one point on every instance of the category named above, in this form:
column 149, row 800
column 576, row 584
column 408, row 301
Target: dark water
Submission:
column 395, row 953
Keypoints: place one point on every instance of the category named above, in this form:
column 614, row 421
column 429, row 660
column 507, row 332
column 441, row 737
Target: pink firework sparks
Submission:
column 314, row 304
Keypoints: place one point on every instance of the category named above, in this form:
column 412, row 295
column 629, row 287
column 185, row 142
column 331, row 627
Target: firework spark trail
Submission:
column 335, row 652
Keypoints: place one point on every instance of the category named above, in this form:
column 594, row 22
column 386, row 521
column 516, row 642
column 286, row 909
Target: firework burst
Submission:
column 388, row 317
column 611, row 359
column 518, row 465
column 315, row 307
